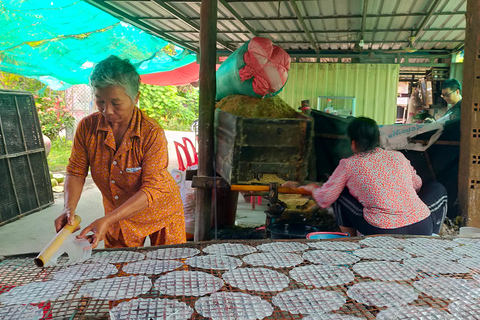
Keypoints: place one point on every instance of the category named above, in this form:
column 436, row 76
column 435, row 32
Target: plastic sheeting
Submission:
column 179, row 76
column 59, row 42
column 257, row 69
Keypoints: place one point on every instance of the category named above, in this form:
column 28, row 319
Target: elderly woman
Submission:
column 127, row 154
column 375, row 190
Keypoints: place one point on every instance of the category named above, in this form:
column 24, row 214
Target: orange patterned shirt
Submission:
column 139, row 164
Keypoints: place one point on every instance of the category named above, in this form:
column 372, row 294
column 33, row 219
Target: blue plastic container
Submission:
column 327, row 235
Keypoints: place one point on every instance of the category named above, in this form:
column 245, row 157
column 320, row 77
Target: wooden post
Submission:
column 208, row 55
column 469, row 166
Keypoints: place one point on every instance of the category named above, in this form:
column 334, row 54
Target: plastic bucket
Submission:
column 327, row 235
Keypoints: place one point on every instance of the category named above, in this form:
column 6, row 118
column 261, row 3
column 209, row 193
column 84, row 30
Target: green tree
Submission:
column 174, row 108
column 12, row 81
column 52, row 113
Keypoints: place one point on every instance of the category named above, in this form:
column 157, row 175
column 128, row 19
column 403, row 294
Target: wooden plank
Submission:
column 208, row 37
column 440, row 142
column 287, row 190
column 425, row 142
column 469, row 168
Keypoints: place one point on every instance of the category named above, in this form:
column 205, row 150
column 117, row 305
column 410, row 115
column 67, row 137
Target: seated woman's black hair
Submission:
column 364, row 131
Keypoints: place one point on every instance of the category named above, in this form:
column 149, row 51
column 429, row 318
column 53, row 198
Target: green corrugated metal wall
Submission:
column 373, row 85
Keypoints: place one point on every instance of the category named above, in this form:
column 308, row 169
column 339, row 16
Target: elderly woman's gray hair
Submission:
column 114, row 71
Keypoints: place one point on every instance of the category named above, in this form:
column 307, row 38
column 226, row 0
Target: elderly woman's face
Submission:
column 115, row 104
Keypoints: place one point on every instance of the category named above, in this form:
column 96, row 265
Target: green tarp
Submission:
column 59, row 41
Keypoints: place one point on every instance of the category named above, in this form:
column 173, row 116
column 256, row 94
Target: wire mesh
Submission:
column 79, row 100
column 26, row 185
column 20, row 270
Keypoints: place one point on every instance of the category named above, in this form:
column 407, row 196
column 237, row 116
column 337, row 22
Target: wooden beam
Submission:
column 469, row 166
column 364, row 19
column 208, row 36
column 239, row 18
column 425, row 20
column 312, row 31
column 293, row 3
column 352, row 42
column 332, row 17
column 178, row 15
column 187, row 20
column 122, row 15
column 358, row 16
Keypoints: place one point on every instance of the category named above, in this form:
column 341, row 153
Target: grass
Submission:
column 59, row 154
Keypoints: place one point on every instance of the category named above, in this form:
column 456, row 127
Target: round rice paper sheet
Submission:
column 433, row 244
column 320, row 275
column 117, row 288
column 472, row 263
column 444, row 255
column 433, row 265
column 116, row 256
column 273, row 259
column 256, row 279
column 421, row 251
column 214, row 262
column 448, row 288
column 36, row 292
column 283, row 247
column 382, row 294
column 413, row 313
column 330, row 257
column 151, row 309
column 20, row 312
column 151, row 267
column 385, row 270
column 229, row 249
column 172, row 253
column 382, row 254
column 334, row 245
column 468, row 250
column 188, row 283
column 330, row 316
column 465, row 309
column 303, row 301
column 384, row 242
column 467, row 241
column 233, row 305
column 85, row 272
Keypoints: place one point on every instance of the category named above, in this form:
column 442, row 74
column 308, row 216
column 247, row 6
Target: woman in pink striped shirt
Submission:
column 375, row 190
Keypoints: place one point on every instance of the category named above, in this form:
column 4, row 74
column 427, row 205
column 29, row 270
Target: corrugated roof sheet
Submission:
column 334, row 24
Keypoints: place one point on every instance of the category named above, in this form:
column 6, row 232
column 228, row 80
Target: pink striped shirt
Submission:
column 384, row 182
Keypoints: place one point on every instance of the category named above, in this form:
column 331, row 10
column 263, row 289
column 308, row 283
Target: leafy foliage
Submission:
column 53, row 115
column 59, row 154
column 12, row 81
column 174, row 108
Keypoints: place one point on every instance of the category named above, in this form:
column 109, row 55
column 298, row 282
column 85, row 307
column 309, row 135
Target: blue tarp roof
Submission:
column 59, row 42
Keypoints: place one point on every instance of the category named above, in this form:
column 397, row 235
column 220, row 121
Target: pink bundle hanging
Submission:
column 258, row 68
column 267, row 64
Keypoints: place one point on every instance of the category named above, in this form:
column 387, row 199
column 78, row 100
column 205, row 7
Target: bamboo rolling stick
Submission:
column 56, row 242
column 267, row 188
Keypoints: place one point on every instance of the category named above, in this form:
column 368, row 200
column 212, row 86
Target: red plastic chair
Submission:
column 181, row 164
column 187, row 142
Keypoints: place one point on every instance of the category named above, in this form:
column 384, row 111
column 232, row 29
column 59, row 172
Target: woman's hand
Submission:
column 99, row 229
column 310, row 187
column 67, row 217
